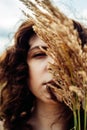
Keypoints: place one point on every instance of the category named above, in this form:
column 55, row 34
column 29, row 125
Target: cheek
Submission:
column 35, row 75
column 36, row 70
column 35, row 83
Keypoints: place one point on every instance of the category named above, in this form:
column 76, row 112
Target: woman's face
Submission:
column 39, row 75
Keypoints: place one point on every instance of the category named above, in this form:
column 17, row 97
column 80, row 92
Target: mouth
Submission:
column 52, row 83
column 50, row 90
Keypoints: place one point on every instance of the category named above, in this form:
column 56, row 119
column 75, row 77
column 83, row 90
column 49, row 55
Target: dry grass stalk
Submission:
column 70, row 67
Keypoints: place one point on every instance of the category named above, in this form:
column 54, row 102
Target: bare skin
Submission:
column 47, row 112
column 47, row 117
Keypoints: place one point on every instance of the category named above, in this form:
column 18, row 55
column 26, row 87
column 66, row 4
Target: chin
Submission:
column 50, row 100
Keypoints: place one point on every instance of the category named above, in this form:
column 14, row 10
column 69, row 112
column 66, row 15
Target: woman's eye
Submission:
column 39, row 55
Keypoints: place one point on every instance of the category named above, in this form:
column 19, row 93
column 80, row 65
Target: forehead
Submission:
column 36, row 41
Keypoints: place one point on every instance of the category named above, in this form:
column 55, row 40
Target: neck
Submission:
column 46, row 114
column 47, row 110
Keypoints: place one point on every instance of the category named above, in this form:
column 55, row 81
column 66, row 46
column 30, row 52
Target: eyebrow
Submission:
column 38, row 47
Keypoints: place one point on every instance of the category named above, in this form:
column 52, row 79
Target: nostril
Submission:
column 49, row 69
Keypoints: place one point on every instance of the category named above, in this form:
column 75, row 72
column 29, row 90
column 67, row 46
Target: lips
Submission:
column 50, row 90
column 53, row 96
column 53, row 83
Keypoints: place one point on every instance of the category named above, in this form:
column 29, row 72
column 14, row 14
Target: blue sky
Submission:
column 11, row 16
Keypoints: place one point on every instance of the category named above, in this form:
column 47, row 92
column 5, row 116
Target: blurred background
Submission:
column 11, row 16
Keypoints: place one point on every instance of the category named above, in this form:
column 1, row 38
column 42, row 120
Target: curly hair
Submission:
column 16, row 100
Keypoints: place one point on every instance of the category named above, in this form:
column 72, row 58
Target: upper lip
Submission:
column 48, row 82
column 52, row 82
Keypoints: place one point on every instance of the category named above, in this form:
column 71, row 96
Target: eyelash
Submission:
column 39, row 55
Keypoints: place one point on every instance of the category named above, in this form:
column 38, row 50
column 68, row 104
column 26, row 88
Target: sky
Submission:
column 11, row 16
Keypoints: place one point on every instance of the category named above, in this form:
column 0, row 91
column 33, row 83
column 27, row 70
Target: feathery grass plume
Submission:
column 64, row 46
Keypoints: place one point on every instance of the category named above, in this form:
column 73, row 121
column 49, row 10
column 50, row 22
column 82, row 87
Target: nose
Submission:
column 50, row 60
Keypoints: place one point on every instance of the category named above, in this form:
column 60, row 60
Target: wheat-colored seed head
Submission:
column 64, row 46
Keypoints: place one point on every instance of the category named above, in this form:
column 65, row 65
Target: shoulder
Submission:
column 1, row 125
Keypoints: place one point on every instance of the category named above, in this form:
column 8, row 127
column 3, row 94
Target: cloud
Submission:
column 3, row 44
column 9, row 13
column 73, row 9
column 84, row 14
column 83, row 17
column 11, row 16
